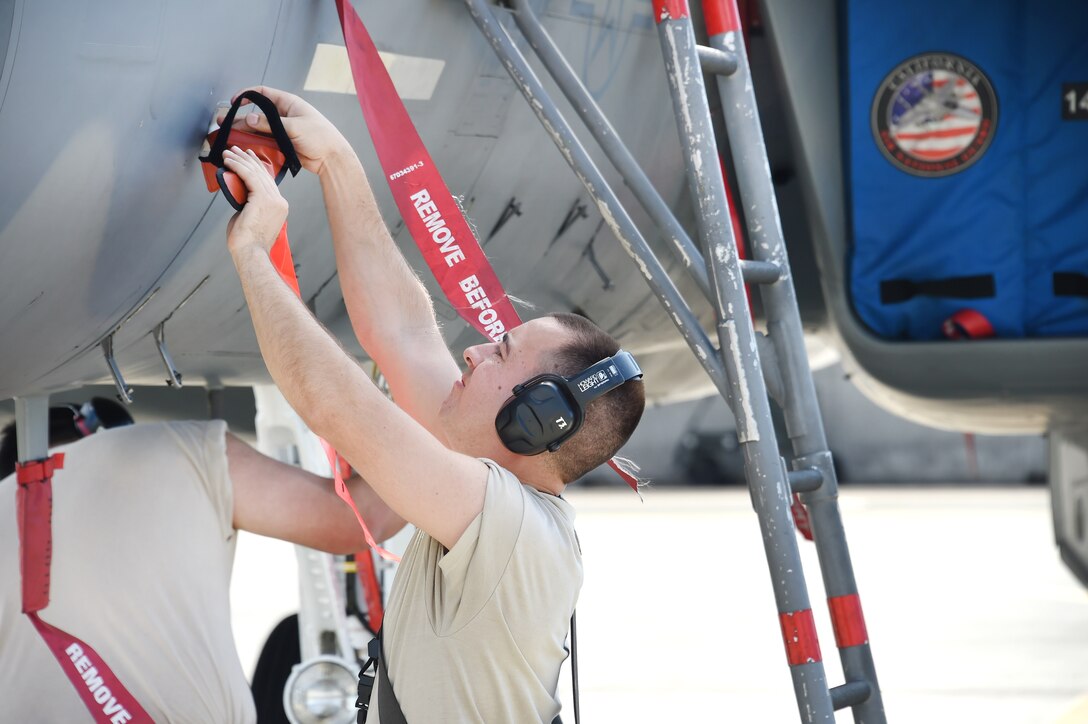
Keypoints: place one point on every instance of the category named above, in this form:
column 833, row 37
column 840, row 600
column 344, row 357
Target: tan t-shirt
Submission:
column 142, row 556
column 477, row 634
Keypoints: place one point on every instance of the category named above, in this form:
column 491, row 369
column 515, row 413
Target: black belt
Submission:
column 894, row 291
column 1070, row 284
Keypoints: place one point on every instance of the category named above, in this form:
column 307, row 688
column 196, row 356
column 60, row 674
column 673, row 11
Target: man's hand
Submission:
column 315, row 138
column 260, row 221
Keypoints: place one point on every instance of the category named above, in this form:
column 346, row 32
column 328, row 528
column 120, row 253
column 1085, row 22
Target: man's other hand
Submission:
column 314, row 137
column 260, row 221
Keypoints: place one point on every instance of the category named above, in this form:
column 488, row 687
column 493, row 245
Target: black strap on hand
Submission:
column 215, row 154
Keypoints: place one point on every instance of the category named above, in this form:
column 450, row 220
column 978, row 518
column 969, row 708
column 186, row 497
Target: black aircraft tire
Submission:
column 280, row 653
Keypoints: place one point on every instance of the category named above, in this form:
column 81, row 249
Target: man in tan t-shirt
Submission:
column 478, row 615
column 144, row 521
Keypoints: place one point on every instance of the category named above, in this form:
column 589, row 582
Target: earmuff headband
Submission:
column 603, row 377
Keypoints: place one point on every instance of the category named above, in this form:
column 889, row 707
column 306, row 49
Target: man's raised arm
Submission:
column 410, row 469
column 391, row 312
column 390, row 309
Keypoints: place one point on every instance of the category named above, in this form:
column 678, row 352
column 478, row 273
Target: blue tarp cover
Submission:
column 968, row 168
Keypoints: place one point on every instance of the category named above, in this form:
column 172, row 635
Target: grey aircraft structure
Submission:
column 113, row 262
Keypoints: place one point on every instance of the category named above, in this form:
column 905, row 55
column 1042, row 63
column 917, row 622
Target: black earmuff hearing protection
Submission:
column 548, row 409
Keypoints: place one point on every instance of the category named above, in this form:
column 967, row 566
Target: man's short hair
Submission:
column 611, row 418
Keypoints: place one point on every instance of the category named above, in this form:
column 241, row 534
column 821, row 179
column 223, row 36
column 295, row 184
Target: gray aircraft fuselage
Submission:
column 106, row 227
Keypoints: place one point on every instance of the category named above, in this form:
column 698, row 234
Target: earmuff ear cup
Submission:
column 538, row 417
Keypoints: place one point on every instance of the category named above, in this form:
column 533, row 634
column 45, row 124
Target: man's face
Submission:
column 468, row 413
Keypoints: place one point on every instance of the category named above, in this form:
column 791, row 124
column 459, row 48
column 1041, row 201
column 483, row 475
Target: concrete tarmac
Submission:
column 971, row 616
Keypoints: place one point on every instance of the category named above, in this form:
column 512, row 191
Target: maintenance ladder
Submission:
column 735, row 364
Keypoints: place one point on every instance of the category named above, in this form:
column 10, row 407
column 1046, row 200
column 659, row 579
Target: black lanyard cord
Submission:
column 574, row 665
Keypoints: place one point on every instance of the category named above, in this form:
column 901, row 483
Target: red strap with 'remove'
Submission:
column 105, row 697
column 429, row 211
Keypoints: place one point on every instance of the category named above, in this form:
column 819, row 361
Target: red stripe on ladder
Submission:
column 721, row 16
column 670, row 10
column 799, row 635
column 848, row 621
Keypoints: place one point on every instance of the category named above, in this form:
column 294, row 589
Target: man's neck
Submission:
column 534, row 473
column 531, row 470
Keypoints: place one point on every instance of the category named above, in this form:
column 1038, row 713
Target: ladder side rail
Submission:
column 764, row 469
column 612, row 211
column 610, row 142
column 801, row 408
column 749, row 154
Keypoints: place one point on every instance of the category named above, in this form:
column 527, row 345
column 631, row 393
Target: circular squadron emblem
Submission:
column 934, row 115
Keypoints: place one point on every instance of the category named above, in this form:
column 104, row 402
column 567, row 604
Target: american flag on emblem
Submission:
column 935, row 115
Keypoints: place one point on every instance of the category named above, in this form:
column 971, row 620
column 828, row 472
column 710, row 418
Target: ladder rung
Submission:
column 806, row 480
column 851, row 693
column 760, row 272
column 715, row 61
